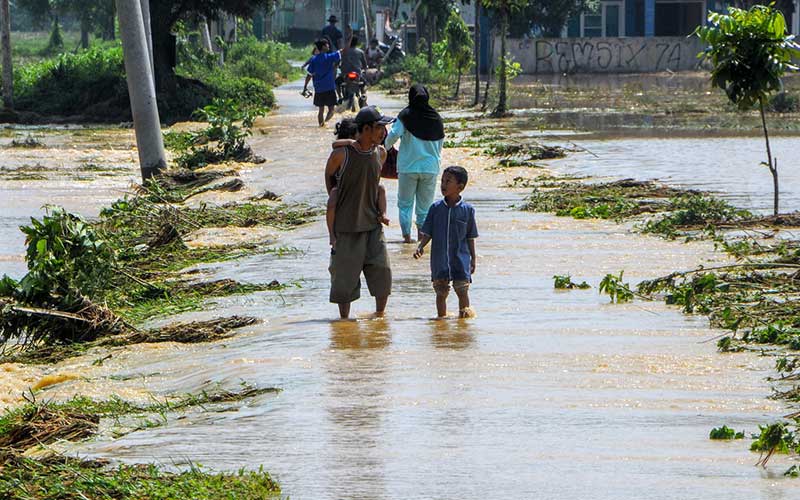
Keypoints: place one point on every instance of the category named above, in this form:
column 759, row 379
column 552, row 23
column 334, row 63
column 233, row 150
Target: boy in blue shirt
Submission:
column 451, row 225
column 322, row 68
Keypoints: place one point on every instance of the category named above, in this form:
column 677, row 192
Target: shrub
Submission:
column 783, row 102
column 71, row 84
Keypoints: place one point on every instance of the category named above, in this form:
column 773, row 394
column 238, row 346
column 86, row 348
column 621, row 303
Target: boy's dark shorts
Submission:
column 357, row 252
column 325, row 98
column 442, row 287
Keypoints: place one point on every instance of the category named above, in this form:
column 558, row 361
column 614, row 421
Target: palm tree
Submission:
column 141, row 88
column 8, row 72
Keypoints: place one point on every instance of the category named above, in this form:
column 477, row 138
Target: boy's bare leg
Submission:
column 464, row 310
column 319, row 116
column 441, row 305
column 330, row 113
column 382, row 205
column 380, row 305
column 330, row 215
column 344, row 310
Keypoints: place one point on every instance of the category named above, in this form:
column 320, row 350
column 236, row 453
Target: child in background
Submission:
column 346, row 132
column 451, row 225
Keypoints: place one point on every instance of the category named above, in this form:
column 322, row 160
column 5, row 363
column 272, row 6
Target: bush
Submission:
column 248, row 92
column 266, row 61
column 71, row 84
column 784, row 102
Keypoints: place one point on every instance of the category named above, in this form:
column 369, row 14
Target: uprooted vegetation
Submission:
column 224, row 139
column 756, row 299
column 90, row 281
column 37, row 426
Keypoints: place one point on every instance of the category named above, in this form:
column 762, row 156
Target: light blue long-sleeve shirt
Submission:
column 415, row 156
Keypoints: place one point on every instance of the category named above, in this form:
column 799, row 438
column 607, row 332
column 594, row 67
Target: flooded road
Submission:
column 546, row 394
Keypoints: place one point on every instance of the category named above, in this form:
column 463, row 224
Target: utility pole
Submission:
column 141, row 88
column 8, row 71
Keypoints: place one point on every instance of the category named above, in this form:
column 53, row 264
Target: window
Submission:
column 609, row 21
column 678, row 18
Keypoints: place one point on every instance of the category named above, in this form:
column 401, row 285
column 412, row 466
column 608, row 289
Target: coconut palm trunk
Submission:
column 141, row 88
column 477, row 52
column 205, row 35
column 5, row 39
column 502, row 105
column 148, row 33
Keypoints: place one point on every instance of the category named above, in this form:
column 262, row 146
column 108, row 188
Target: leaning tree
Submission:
column 165, row 13
column 749, row 52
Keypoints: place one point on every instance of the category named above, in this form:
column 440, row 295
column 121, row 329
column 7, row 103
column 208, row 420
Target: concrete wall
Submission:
column 604, row 55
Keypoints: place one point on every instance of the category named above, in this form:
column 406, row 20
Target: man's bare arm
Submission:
column 308, row 79
column 335, row 162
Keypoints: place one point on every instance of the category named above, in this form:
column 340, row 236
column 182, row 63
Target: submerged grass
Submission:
column 73, row 479
column 36, row 425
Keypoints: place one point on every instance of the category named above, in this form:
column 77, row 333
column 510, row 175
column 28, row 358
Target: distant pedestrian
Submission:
column 421, row 131
column 322, row 70
column 332, row 33
column 450, row 223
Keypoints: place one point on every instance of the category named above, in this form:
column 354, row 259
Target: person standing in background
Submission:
column 421, row 132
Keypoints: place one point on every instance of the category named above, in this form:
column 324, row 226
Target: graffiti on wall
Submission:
column 606, row 55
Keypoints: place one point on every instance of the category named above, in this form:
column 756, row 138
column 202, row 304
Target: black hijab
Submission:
column 419, row 117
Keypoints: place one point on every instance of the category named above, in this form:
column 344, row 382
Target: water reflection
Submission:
column 355, row 405
column 451, row 333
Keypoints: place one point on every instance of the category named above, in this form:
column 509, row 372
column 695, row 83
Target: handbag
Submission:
column 389, row 167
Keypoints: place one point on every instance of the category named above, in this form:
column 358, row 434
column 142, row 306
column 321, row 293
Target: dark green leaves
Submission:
column 749, row 51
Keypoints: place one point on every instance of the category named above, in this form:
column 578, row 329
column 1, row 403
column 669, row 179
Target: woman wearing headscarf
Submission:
column 421, row 131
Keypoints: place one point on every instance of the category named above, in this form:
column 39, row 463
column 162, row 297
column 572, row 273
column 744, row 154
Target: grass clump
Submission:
column 611, row 200
column 695, row 211
column 73, row 479
column 725, row 433
column 564, row 282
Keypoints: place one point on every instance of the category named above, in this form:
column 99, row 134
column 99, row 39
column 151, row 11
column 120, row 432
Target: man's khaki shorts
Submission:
column 442, row 287
column 356, row 253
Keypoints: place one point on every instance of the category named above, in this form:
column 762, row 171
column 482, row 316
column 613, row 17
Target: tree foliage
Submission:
column 547, row 15
column 749, row 51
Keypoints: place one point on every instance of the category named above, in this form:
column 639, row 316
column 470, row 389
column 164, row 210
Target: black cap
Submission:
column 333, row 19
column 371, row 114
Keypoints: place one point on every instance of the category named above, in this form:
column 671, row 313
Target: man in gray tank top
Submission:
column 360, row 246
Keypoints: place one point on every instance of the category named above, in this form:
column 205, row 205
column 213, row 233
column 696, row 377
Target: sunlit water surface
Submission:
column 546, row 394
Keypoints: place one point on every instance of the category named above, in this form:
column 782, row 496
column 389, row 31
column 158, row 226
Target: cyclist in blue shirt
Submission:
column 322, row 69
column 450, row 223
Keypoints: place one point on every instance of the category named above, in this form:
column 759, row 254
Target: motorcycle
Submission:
column 354, row 91
column 393, row 51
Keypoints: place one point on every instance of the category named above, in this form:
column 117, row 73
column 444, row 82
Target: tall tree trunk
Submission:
column 85, row 33
column 458, row 83
column 477, row 52
column 772, row 164
column 8, row 71
column 490, row 72
column 369, row 27
column 502, row 106
column 148, row 34
column 205, row 35
column 141, row 89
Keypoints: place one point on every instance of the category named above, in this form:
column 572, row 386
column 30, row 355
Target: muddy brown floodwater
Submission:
column 546, row 394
